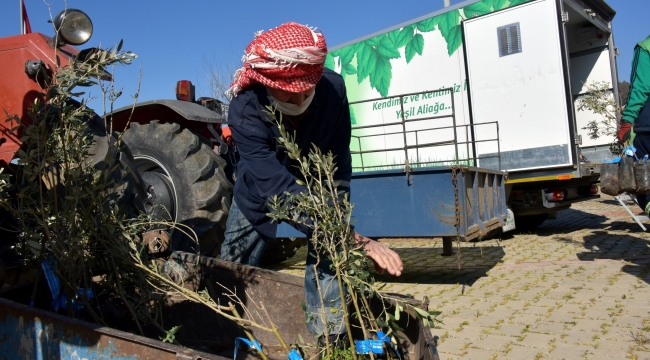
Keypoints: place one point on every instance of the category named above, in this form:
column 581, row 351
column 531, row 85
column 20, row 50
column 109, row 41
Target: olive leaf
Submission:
column 353, row 119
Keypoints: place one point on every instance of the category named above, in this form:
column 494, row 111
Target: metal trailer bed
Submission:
column 33, row 333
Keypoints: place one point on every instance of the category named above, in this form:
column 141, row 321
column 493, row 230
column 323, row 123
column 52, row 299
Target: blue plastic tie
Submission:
column 368, row 346
column 645, row 158
column 375, row 346
column 60, row 300
column 52, row 281
column 386, row 339
column 251, row 344
column 294, row 355
column 629, row 151
column 615, row 160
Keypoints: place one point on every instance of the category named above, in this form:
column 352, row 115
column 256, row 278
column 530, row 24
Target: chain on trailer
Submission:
column 454, row 180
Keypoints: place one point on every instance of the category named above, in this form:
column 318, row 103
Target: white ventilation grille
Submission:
column 509, row 39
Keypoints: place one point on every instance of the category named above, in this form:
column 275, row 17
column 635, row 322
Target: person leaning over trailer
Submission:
column 284, row 68
column 637, row 110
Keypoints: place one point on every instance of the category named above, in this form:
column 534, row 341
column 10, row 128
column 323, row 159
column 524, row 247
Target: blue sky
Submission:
column 175, row 39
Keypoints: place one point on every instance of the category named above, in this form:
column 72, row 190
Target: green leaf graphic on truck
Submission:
column 373, row 56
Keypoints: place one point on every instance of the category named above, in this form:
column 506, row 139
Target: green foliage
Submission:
column 170, row 335
column 70, row 196
column 341, row 354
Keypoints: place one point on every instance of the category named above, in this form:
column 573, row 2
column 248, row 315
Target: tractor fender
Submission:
column 184, row 113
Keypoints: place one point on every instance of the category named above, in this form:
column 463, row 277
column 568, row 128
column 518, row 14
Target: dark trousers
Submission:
column 323, row 312
column 642, row 145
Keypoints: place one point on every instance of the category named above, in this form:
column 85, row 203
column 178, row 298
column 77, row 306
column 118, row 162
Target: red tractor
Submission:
column 177, row 145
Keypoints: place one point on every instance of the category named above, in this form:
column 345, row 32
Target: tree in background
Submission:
column 623, row 92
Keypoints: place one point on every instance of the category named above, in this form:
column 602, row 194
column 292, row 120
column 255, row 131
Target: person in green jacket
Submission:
column 637, row 112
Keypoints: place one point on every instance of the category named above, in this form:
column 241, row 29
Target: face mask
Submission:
column 290, row 109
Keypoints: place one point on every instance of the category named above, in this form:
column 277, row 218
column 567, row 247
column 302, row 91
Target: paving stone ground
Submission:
column 578, row 287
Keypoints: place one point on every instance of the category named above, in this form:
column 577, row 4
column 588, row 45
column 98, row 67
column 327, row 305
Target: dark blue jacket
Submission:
column 264, row 169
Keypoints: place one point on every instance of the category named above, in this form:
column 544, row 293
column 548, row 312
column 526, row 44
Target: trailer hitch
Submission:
column 157, row 241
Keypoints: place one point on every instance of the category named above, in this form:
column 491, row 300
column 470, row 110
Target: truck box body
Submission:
column 511, row 71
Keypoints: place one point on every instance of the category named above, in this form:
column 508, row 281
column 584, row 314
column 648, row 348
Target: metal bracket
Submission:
column 223, row 147
column 565, row 17
column 578, row 140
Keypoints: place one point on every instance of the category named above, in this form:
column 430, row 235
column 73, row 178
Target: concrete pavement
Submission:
column 576, row 288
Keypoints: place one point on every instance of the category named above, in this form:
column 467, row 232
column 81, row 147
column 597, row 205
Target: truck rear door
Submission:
column 517, row 75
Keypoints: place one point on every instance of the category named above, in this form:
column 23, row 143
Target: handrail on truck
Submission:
column 469, row 160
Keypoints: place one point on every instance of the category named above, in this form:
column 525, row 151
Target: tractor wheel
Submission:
column 281, row 249
column 186, row 179
column 106, row 155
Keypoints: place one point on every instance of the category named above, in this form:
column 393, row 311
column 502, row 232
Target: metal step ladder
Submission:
column 623, row 199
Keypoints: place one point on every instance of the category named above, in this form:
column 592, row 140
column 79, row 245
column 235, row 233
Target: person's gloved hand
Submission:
column 624, row 131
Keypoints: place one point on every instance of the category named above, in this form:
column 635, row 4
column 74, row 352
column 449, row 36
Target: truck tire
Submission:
column 186, row 178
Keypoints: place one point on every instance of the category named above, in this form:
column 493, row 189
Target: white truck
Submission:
column 510, row 73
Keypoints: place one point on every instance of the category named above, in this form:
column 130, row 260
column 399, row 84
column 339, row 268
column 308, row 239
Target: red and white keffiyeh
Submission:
column 290, row 57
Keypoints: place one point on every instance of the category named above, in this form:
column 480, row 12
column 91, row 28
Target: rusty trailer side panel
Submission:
column 30, row 333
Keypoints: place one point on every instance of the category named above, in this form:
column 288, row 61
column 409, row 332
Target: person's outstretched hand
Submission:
column 383, row 257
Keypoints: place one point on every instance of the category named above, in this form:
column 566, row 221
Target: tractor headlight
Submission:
column 73, row 26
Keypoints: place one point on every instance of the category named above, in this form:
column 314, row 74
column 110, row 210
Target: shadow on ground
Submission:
column 609, row 201
column 601, row 245
column 428, row 266
column 571, row 220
